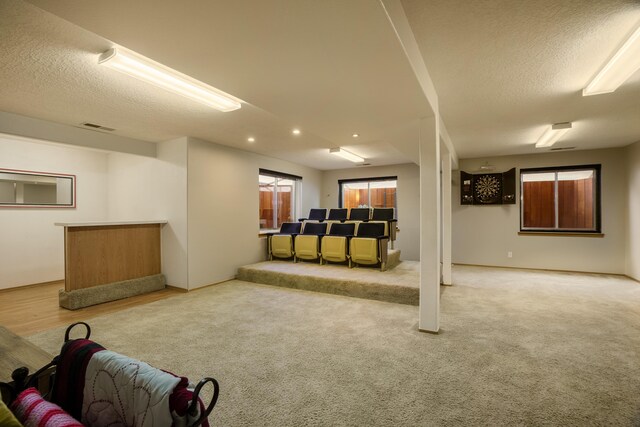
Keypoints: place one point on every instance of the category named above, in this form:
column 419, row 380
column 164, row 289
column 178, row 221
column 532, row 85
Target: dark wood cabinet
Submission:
column 488, row 188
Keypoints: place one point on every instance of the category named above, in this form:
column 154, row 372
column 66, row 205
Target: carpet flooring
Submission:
column 516, row 348
column 400, row 284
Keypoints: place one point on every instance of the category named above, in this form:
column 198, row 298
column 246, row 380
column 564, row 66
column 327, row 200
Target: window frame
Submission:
column 367, row 180
column 295, row 202
column 597, row 188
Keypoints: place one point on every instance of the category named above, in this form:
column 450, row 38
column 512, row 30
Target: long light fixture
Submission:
column 346, row 155
column 620, row 67
column 145, row 69
column 553, row 134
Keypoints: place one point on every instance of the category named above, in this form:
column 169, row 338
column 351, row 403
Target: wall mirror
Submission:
column 36, row 189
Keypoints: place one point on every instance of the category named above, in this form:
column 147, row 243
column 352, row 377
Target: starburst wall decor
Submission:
column 488, row 188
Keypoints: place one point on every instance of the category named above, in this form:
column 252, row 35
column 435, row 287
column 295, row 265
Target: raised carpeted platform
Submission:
column 399, row 284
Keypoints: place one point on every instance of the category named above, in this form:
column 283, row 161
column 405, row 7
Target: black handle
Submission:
column 193, row 407
column 71, row 326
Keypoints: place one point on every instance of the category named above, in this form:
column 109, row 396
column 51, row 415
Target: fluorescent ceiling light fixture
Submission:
column 553, row 134
column 145, row 69
column 620, row 67
column 355, row 135
column 296, row 131
column 251, row 139
column 346, row 155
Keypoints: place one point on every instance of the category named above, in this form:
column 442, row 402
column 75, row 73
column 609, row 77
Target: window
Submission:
column 560, row 199
column 368, row 192
column 278, row 194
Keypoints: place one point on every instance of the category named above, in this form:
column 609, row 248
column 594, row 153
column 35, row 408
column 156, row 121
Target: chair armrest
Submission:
column 382, row 237
column 302, row 219
column 302, row 234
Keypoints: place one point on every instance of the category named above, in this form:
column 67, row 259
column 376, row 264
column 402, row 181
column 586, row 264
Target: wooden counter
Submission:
column 99, row 253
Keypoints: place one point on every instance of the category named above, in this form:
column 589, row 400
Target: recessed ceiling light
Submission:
column 620, row 67
column 355, row 135
column 251, row 139
column 296, row 131
column 142, row 68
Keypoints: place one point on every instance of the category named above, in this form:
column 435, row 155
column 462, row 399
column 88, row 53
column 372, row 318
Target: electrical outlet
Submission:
column 509, row 254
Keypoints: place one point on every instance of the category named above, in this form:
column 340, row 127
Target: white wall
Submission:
column 633, row 212
column 31, row 247
column 207, row 192
column 408, row 214
column 484, row 234
column 223, row 208
column 37, row 129
column 143, row 188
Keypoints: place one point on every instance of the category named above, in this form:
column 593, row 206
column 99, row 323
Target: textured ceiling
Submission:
column 505, row 69
column 331, row 68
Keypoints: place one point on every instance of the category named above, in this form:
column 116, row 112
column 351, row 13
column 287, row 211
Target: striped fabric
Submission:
column 33, row 411
column 70, row 374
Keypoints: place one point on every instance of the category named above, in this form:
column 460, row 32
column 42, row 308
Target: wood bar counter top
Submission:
column 98, row 253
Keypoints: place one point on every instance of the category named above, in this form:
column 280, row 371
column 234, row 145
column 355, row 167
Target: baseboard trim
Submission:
column 175, row 288
column 542, row 269
column 183, row 290
column 632, row 278
column 61, row 281
column 212, row 284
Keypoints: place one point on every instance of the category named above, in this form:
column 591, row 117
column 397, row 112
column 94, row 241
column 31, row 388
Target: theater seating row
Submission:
column 357, row 214
column 334, row 239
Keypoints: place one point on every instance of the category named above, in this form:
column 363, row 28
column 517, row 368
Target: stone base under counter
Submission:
column 80, row 298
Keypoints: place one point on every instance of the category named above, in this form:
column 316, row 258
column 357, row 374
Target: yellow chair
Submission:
column 370, row 245
column 280, row 245
column 307, row 244
column 335, row 245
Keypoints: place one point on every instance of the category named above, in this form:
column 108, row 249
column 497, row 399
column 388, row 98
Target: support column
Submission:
column 429, row 320
column 446, row 218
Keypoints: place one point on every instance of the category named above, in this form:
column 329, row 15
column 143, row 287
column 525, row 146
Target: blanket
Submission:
column 70, row 374
column 120, row 391
column 101, row 387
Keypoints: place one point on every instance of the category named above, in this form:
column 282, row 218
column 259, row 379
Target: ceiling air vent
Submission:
column 364, row 164
column 95, row 126
column 562, row 148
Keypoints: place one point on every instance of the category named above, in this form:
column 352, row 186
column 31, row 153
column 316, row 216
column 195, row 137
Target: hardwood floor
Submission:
column 31, row 309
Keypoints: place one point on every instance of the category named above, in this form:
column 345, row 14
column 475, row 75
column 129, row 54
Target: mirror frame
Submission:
column 48, row 174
